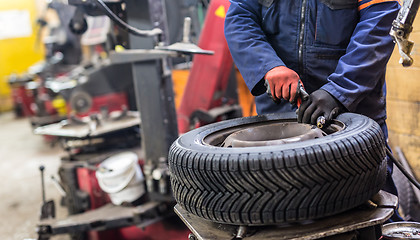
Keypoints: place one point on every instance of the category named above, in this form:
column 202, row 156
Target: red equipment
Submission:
column 112, row 102
column 161, row 230
column 23, row 98
column 209, row 75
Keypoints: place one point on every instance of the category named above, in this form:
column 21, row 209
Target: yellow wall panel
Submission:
column 403, row 83
column 410, row 146
column 17, row 54
column 405, row 117
column 403, row 102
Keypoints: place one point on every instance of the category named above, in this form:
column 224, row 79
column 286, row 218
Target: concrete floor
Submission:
column 21, row 154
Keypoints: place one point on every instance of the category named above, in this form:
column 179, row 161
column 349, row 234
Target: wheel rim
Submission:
column 269, row 133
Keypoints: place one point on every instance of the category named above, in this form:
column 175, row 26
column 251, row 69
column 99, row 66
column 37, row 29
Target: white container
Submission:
column 125, row 183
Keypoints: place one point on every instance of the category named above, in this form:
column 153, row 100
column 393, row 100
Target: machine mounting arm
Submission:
column 401, row 29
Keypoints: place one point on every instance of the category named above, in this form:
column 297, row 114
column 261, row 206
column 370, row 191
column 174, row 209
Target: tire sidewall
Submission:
column 193, row 140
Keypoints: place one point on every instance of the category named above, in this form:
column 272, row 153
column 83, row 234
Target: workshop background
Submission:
column 18, row 53
column 22, row 152
column 403, row 103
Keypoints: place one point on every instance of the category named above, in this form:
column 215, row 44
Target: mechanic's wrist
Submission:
column 338, row 103
column 259, row 88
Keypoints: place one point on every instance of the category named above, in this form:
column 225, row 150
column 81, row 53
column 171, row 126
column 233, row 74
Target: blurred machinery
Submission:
column 62, row 85
column 94, row 131
column 100, row 124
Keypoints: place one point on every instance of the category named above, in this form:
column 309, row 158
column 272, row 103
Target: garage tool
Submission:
column 301, row 93
column 124, row 25
column 241, row 233
column 403, row 170
column 59, row 186
column 406, row 166
column 401, row 29
column 186, row 46
column 320, row 122
column 48, row 207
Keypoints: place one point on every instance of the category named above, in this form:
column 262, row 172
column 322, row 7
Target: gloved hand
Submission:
column 320, row 103
column 283, row 83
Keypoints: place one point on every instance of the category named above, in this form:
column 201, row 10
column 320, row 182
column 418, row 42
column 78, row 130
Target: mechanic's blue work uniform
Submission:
column 340, row 46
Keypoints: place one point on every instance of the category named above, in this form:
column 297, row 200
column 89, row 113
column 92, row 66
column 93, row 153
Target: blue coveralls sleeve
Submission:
column 252, row 54
column 364, row 63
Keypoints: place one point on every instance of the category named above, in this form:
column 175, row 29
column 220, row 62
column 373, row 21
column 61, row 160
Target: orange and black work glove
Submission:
column 282, row 82
column 320, row 103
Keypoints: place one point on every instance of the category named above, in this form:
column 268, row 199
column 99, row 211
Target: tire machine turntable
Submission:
column 363, row 223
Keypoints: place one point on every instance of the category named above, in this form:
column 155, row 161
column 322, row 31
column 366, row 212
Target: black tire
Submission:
column 409, row 206
column 286, row 183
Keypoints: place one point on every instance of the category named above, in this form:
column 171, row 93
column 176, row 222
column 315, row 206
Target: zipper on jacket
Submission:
column 301, row 35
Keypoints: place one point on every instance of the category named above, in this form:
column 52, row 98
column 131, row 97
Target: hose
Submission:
column 402, row 169
column 125, row 26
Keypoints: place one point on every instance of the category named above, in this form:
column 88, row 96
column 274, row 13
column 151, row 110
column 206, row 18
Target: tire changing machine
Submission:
column 153, row 88
column 362, row 223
